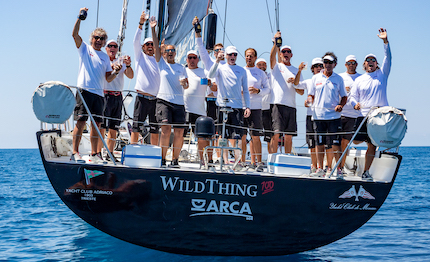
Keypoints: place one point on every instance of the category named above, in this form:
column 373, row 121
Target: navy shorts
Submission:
column 190, row 119
column 267, row 125
column 362, row 134
column 234, row 123
column 310, row 132
column 254, row 122
column 328, row 132
column 348, row 124
column 95, row 104
column 144, row 106
column 211, row 107
column 284, row 119
column 112, row 112
column 169, row 113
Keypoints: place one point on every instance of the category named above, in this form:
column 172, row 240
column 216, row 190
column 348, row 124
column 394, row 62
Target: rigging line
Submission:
column 97, row 21
column 268, row 14
column 225, row 21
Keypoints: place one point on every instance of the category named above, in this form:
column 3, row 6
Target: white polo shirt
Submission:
column 194, row 95
column 284, row 93
column 258, row 79
column 170, row 88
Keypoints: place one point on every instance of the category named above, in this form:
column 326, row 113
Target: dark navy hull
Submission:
column 204, row 213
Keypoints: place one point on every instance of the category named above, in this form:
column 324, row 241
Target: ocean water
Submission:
column 36, row 226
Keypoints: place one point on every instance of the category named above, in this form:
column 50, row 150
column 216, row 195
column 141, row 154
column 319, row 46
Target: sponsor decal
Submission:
column 352, row 193
column 203, row 207
column 88, row 194
column 386, row 142
column 267, row 187
column 91, row 174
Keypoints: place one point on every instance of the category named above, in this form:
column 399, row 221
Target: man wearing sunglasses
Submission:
column 283, row 100
column 113, row 95
column 369, row 90
column 170, row 108
column 232, row 85
column 94, row 69
column 147, row 86
column 208, row 61
column 328, row 95
column 349, row 114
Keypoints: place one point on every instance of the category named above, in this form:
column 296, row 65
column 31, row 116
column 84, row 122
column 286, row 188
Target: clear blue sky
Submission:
column 38, row 46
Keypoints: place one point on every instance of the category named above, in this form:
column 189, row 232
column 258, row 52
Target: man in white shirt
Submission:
column 267, row 114
column 170, row 108
column 94, row 69
column 232, row 82
column 369, row 90
column 113, row 95
column 283, row 102
column 329, row 96
column 194, row 98
column 349, row 114
column 258, row 87
column 147, row 86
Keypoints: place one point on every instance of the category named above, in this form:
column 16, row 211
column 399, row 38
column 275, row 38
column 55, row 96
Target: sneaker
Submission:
column 95, row 159
column 328, row 171
column 260, row 167
column 252, row 166
column 174, row 164
column 76, row 158
column 339, row 174
column 163, row 163
column 241, row 167
column 318, row 173
column 313, row 170
column 114, row 159
column 366, row 176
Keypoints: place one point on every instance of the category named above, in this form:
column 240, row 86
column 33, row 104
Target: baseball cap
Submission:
column 370, row 55
column 350, row 57
column 260, row 60
column 148, row 39
column 111, row 41
column 317, row 60
column 230, row 50
column 328, row 57
column 286, row 47
column 192, row 52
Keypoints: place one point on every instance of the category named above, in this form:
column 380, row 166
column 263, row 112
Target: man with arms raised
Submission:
column 94, row 69
column 170, row 108
column 258, row 87
column 369, row 90
column 147, row 85
column 232, row 81
column 283, row 103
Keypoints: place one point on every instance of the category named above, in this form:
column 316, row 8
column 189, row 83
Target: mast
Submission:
column 123, row 26
column 148, row 9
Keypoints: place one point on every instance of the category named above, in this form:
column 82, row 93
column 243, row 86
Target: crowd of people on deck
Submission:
column 172, row 95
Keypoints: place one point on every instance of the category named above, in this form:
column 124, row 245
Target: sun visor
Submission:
column 386, row 127
column 53, row 102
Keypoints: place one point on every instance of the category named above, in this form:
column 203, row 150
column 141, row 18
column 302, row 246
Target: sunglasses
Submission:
column 149, row 44
column 328, row 62
column 318, row 65
column 170, row 50
column 219, row 49
column 286, row 51
column 233, row 54
column 351, row 63
column 192, row 57
column 102, row 38
column 115, row 46
column 370, row 59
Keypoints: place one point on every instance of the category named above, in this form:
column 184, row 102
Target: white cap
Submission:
column 286, row 47
column 350, row 57
column 111, row 41
column 370, row 55
column 192, row 52
column 260, row 60
column 328, row 57
column 148, row 39
column 317, row 60
column 230, row 50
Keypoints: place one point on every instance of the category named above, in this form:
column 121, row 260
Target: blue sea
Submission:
column 35, row 225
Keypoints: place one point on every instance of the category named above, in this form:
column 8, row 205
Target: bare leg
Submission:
column 77, row 135
column 274, row 144
column 370, row 155
column 94, row 138
column 154, row 139
column 256, row 146
column 344, row 144
column 288, row 143
column 178, row 141
column 111, row 140
column 244, row 149
column 313, row 158
column 330, row 156
column 320, row 156
column 164, row 140
column 100, row 143
column 134, row 137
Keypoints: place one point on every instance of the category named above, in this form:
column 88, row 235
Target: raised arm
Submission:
column 136, row 41
column 75, row 34
column 204, row 55
column 274, row 51
column 214, row 68
column 157, row 51
column 386, row 63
